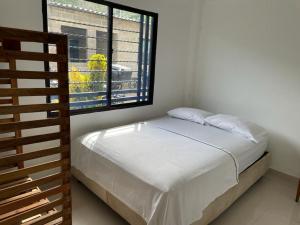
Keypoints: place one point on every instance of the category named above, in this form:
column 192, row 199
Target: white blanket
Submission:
column 164, row 172
column 245, row 151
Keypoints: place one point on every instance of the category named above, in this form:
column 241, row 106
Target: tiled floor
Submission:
column 271, row 201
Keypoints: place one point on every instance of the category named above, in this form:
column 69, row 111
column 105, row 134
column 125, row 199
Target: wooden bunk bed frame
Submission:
column 23, row 199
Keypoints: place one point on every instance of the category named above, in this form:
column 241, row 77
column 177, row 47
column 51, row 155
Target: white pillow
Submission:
column 233, row 124
column 190, row 114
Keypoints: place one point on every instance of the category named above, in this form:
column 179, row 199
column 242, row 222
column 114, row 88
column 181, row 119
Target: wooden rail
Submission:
column 24, row 200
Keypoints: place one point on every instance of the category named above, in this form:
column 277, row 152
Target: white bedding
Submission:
column 167, row 170
column 246, row 152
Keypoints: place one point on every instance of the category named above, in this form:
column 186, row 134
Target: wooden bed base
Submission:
column 246, row 180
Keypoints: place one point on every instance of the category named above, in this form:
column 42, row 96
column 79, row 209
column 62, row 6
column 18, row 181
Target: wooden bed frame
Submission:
column 246, row 180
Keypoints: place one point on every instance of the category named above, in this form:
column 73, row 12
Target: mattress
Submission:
column 166, row 170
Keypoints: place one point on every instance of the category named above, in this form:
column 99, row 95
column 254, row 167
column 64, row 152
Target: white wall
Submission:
column 174, row 20
column 248, row 64
column 231, row 56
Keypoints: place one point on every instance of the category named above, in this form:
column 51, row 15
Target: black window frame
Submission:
column 154, row 29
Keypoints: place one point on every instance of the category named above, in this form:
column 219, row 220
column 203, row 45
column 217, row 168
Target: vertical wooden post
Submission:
column 16, row 46
column 62, row 67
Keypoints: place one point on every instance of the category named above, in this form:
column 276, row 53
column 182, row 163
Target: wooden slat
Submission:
column 10, row 176
column 6, row 101
column 18, row 188
column 8, row 149
column 44, row 208
column 5, row 81
column 8, row 167
column 32, row 108
column 45, row 218
column 24, row 209
column 12, row 126
column 6, row 120
column 12, row 159
column 7, row 138
column 4, row 92
column 32, row 75
column 32, row 218
column 61, row 222
column 28, row 36
column 20, row 196
column 9, row 44
column 8, row 207
column 29, row 140
column 36, row 56
column 16, row 182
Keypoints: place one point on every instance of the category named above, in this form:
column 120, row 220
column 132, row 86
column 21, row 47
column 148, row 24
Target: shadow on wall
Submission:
column 108, row 119
column 279, row 144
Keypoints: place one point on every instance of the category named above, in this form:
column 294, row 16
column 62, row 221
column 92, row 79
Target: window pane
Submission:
column 130, row 70
column 85, row 24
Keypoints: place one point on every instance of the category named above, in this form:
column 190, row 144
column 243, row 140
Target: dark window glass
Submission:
column 77, row 42
column 74, row 49
column 101, row 42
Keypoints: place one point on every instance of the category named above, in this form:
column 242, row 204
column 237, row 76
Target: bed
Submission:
column 168, row 171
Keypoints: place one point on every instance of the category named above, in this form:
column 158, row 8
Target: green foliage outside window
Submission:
column 92, row 82
column 98, row 65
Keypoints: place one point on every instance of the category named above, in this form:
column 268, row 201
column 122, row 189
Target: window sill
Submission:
column 103, row 109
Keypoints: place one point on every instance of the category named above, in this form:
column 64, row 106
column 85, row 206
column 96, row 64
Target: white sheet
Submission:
column 246, row 152
column 166, row 170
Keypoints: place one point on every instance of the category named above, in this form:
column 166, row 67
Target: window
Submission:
column 74, row 50
column 77, row 42
column 101, row 42
column 111, row 53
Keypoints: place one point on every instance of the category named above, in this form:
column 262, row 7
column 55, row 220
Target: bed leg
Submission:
column 298, row 193
column 78, row 181
column 75, row 179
